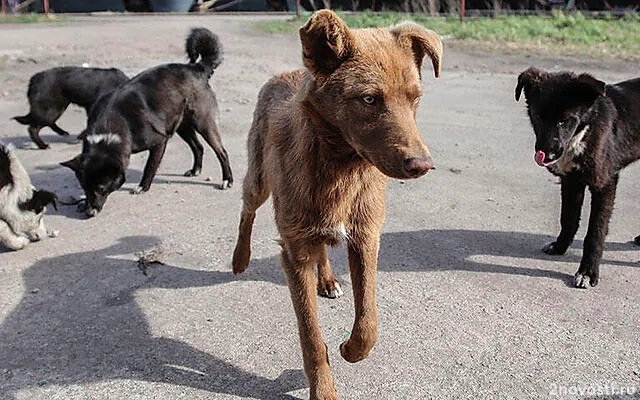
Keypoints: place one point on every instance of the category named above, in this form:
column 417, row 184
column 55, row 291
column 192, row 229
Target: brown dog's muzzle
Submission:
column 418, row 166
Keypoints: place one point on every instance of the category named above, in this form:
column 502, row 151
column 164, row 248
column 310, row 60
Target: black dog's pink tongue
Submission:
column 539, row 158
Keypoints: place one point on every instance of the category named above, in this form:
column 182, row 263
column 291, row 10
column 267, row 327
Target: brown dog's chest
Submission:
column 327, row 210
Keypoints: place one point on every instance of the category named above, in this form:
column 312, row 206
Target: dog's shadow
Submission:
column 78, row 322
column 491, row 252
column 181, row 179
column 49, row 137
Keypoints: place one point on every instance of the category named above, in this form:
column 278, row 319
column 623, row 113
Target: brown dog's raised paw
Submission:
column 354, row 352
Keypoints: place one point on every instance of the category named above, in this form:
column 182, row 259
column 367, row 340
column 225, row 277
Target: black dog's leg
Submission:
column 572, row 199
column 209, row 130
column 601, row 209
column 34, row 134
column 186, row 132
column 150, row 169
column 58, row 130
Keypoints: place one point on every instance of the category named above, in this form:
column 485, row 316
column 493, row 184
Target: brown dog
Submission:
column 322, row 142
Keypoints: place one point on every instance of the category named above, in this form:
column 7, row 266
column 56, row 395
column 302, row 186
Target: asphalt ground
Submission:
column 469, row 307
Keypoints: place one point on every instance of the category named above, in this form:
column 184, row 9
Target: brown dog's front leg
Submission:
column 363, row 262
column 298, row 265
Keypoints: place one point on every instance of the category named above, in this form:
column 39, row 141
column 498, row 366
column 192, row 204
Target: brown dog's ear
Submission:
column 326, row 42
column 422, row 42
column 75, row 163
column 592, row 83
column 527, row 79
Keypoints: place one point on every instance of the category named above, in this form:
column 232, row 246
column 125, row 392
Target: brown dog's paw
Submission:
column 354, row 352
column 330, row 289
column 240, row 261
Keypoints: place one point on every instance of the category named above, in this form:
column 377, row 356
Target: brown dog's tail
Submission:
column 24, row 119
column 204, row 44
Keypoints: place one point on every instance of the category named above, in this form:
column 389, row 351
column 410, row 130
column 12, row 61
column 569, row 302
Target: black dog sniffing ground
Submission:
column 144, row 113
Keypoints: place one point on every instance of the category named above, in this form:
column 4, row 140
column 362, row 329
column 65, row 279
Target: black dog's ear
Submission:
column 528, row 79
column 39, row 200
column 326, row 42
column 44, row 198
column 421, row 42
column 75, row 163
column 592, row 83
column 121, row 179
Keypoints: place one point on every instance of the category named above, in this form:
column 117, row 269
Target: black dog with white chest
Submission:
column 586, row 133
column 51, row 91
column 143, row 114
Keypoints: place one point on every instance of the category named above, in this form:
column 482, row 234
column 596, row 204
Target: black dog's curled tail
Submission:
column 204, row 44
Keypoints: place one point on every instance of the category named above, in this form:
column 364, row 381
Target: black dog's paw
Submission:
column 584, row 281
column 554, row 249
column 192, row 172
column 138, row 190
column 636, row 240
column 226, row 184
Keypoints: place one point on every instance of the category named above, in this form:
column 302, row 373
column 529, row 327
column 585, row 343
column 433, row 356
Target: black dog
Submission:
column 51, row 91
column 586, row 133
column 143, row 114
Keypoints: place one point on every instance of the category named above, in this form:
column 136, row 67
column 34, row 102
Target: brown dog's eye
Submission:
column 369, row 100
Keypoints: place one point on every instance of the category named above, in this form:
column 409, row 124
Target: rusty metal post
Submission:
column 462, row 7
column 298, row 9
column 4, row 7
column 46, row 7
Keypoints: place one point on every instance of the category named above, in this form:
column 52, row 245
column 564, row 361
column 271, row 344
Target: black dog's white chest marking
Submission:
column 575, row 147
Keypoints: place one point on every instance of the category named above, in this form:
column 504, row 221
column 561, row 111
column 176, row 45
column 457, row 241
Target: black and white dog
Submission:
column 586, row 133
column 51, row 91
column 144, row 113
column 21, row 205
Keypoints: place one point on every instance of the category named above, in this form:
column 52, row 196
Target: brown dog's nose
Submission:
column 416, row 167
